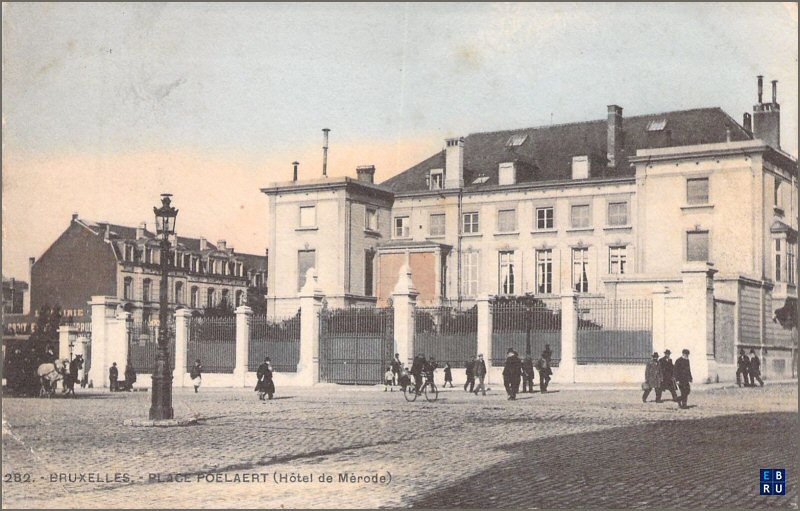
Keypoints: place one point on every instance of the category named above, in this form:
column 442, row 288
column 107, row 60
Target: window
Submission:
column 506, row 273
column 146, row 284
column 306, row 259
column 437, row 227
column 369, row 258
column 437, row 179
column 195, row 297
column 224, row 298
column 777, row 260
column 697, row 191
column 516, row 140
column 238, row 298
column 470, row 266
column 179, row 293
column 580, row 167
column 471, row 224
column 697, row 246
column 544, row 218
column 371, row 221
column 401, row 227
column 145, row 316
column 308, row 216
column 617, row 259
column 127, row 289
column 507, row 220
column 790, row 263
column 776, row 199
column 580, row 216
column 617, row 213
column 544, row 271
column 210, row 297
column 148, row 255
column 580, row 270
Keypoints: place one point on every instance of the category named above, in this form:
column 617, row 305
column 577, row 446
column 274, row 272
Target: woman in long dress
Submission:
column 265, row 385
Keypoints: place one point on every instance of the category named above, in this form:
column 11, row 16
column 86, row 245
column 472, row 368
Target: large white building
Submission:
column 609, row 207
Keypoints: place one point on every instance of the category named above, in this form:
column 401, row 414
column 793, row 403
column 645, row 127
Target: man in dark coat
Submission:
column 683, row 375
column 417, row 367
column 397, row 369
column 755, row 369
column 652, row 378
column 527, row 374
column 479, row 368
column 113, row 375
column 667, row 377
column 543, row 366
column 470, row 375
column 265, row 385
column 512, row 372
column 742, row 368
column 130, row 376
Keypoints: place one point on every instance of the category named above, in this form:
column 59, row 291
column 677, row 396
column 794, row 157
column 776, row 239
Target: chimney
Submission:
column 366, row 173
column 727, row 133
column 454, row 163
column 222, row 246
column 767, row 117
column 760, row 88
column 107, row 234
column 614, row 137
column 295, row 164
column 74, row 217
column 325, row 132
column 203, row 244
column 748, row 124
column 140, row 230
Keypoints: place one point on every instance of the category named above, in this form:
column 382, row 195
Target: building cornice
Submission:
column 744, row 148
column 519, row 187
column 329, row 184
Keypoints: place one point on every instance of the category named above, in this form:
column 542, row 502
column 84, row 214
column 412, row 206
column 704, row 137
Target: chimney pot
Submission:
column 295, row 164
column 454, row 163
column 74, row 216
column 760, row 88
column 140, row 230
column 366, row 173
column 222, row 245
column 31, row 260
column 748, row 125
column 614, row 137
column 325, row 132
column 775, row 92
column 203, row 244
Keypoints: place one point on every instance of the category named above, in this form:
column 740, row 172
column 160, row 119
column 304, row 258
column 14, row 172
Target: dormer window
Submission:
column 507, row 174
column 436, row 179
column 516, row 140
column 580, row 167
column 656, row 125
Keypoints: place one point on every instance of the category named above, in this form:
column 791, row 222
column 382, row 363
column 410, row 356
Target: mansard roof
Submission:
column 546, row 152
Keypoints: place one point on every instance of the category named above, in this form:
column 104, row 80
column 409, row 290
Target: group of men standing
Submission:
column 748, row 367
column 661, row 374
column 515, row 372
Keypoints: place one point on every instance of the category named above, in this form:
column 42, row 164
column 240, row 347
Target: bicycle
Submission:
column 428, row 388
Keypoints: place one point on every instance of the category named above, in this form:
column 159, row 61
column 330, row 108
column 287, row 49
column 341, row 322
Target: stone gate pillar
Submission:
column 103, row 312
column 182, row 319
column 244, row 316
column 404, row 301
column 310, row 307
column 697, row 330
column 485, row 328
column 569, row 338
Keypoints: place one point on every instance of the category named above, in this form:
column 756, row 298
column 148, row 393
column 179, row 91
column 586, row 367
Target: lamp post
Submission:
column 161, row 405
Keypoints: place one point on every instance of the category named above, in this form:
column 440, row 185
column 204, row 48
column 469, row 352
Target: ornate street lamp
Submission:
column 161, row 405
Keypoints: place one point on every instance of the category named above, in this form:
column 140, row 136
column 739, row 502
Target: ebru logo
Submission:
column 773, row 481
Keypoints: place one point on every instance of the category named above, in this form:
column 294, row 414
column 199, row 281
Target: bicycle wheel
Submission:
column 410, row 393
column 431, row 392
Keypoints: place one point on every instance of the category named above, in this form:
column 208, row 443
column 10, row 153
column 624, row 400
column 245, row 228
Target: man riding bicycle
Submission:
column 417, row 368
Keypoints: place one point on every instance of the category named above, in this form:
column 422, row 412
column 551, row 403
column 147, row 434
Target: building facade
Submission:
column 99, row 258
column 15, row 296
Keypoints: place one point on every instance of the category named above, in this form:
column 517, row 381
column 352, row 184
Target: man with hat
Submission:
column 667, row 378
column 652, row 378
column 755, row 369
column 742, row 368
column 683, row 375
column 512, row 372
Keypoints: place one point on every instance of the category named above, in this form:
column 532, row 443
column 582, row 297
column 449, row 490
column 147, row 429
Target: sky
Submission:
column 105, row 106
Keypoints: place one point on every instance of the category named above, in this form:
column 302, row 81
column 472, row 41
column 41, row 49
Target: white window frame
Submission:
column 371, row 219
column 443, row 216
column 617, row 259
column 513, row 227
column 544, row 271
column 581, row 279
column 791, row 253
column 471, row 262
column 505, row 287
column 405, row 227
column 474, row 224
column 708, row 244
column 436, row 179
column 303, row 222
column 612, row 219
column 588, row 209
column 542, row 223
column 694, row 201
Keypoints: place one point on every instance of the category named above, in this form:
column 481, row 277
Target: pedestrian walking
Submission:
column 448, row 375
column 547, row 354
column 479, row 366
column 543, row 366
column 652, row 378
column 113, row 375
column 527, row 374
column 470, row 370
column 405, row 379
column 196, row 374
column 388, row 380
column 667, row 377
column 130, row 376
column 397, row 369
column 512, row 372
column 683, row 375
column 755, row 369
column 265, row 385
column 742, row 368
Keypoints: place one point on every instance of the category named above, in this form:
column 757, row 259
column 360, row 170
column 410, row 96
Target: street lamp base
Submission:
column 161, row 404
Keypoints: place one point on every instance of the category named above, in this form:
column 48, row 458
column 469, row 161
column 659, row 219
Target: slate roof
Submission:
column 546, row 154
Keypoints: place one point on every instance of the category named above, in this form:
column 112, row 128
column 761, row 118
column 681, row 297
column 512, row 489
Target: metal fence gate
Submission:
column 143, row 346
column 448, row 334
column 614, row 331
column 212, row 340
column 278, row 339
column 355, row 345
column 528, row 328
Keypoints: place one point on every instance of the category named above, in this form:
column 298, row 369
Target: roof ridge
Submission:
column 83, row 221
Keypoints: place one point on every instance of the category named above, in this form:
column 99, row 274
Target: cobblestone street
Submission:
column 568, row 448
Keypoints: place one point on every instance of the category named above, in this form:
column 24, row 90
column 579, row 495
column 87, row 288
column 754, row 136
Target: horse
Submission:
column 49, row 373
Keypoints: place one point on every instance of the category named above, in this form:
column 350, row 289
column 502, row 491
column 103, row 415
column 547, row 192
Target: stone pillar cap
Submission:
column 405, row 284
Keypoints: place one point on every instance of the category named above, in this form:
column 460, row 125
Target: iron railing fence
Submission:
column 529, row 328
column 212, row 340
column 448, row 334
column 614, row 331
column 143, row 345
column 278, row 339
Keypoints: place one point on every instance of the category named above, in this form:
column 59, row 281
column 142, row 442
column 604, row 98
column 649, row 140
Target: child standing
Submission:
column 448, row 375
column 388, row 380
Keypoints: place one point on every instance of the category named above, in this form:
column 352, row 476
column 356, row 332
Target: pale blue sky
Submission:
column 104, row 105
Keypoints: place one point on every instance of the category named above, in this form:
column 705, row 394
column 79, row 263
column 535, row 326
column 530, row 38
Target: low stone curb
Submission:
column 164, row 423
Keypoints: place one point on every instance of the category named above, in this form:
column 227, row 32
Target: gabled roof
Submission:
column 547, row 151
